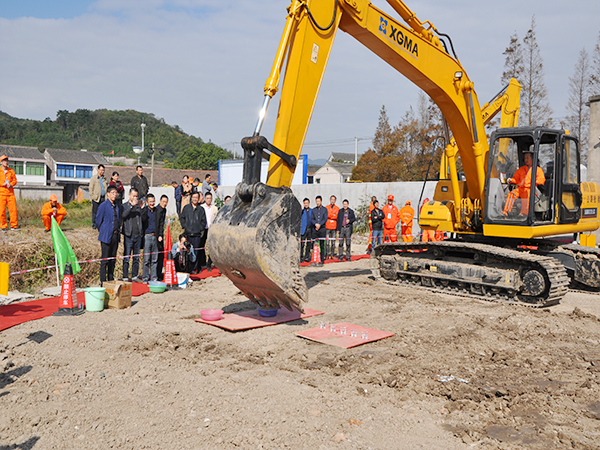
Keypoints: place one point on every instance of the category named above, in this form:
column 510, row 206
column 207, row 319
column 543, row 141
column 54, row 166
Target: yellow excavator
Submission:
column 512, row 238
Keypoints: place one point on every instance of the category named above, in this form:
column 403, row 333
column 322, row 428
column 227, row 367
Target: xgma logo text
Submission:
column 395, row 34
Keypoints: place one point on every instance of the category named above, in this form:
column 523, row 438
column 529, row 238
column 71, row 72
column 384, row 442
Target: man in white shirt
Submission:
column 211, row 212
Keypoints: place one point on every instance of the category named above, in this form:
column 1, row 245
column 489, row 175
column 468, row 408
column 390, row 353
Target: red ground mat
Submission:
column 331, row 260
column 11, row 315
column 326, row 336
column 206, row 274
column 246, row 320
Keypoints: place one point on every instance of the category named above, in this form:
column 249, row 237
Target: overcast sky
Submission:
column 202, row 64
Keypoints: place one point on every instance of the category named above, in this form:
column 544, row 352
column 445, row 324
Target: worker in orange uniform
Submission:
column 8, row 180
column 391, row 217
column 522, row 180
column 331, row 227
column 406, row 221
column 53, row 209
column 426, row 235
column 371, row 208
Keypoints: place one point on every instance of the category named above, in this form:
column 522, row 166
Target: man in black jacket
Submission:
column 152, row 231
column 161, row 215
column 345, row 220
column 140, row 183
column 193, row 221
column 133, row 231
column 318, row 218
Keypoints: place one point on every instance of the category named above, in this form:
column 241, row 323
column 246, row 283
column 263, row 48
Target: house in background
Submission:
column 333, row 173
column 346, row 158
column 72, row 169
column 28, row 163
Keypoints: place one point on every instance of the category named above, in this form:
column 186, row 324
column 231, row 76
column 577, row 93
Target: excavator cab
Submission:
column 529, row 169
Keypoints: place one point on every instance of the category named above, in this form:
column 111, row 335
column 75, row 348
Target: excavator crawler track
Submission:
column 473, row 270
column 586, row 273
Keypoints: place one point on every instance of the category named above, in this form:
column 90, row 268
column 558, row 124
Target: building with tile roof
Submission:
column 28, row 163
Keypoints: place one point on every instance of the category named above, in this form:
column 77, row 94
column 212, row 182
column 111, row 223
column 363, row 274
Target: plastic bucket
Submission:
column 94, row 298
column 182, row 280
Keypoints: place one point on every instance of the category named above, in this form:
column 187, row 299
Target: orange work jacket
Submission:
column 12, row 180
column 332, row 213
column 391, row 216
column 47, row 209
column 406, row 216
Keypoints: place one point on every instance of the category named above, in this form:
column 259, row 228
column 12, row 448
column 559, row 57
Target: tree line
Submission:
column 402, row 152
column 113, row 133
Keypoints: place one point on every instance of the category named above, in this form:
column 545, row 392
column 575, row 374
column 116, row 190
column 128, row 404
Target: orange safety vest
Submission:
column 332, row 214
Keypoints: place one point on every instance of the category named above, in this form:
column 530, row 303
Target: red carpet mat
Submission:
column 206, row 274
column 363, row 335
column 331, row 260
column 11, row 315
column 246, row 320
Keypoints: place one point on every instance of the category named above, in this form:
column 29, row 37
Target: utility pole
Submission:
column 152, row 170
column 355, row 150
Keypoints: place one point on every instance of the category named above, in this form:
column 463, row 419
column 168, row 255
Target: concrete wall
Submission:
column 593, row 172
column 38, row 192
column 357, row 193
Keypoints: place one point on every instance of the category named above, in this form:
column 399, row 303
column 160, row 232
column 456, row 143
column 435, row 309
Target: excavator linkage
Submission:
column 255, row 241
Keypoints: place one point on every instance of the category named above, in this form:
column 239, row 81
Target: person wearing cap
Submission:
column 391, row 217
column 522, row 180
column 8, row 180
column 406, row 221
column 53, row 209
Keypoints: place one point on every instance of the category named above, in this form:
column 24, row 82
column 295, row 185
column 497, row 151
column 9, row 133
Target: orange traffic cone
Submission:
column 69, row 305
column 170, row 273
column 316, row 256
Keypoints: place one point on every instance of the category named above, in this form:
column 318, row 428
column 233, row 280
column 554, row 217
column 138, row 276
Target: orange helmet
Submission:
column 407, row 202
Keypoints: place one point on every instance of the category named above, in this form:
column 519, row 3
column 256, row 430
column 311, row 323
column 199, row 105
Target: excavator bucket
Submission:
column 255, row 241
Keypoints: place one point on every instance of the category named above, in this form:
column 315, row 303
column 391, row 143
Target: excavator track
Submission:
column 586, row 274
column 480, row 271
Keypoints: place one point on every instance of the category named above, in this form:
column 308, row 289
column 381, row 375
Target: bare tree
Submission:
column 578, row 114
column 514, row 62
column 535, row 107
column 595, row 69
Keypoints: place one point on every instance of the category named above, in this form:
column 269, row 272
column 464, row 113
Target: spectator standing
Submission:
column 318, row 219
column 177, row 197
column 305, row 232
column 206, row 187
column 377, row 221
column 370, row 244
column 331, row 226
column 98, row 189
column 196, row 186
column 390, row 220
column 132, row 234
column 184, row 255
column 161, row 213
column 193, row 221
column 150, row 218
column 227, row 198
column 210, row 210
column 406, row 221
column 345, row 219
column 186, row 193
column 53, row 209
column 108, row 222
column 140, row 183
column 116, row 182
column 8, row 180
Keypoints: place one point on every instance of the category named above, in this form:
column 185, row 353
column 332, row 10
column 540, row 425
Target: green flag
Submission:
column 63, row 250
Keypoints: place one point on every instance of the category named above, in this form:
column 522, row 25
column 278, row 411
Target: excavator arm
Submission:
column 254, row 239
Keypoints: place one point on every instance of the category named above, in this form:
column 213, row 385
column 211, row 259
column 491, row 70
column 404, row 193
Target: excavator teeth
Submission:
column 254, row 241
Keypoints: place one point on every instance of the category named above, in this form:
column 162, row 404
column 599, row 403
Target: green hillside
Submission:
column 108, row 131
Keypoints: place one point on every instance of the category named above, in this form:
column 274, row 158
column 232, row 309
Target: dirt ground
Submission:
column 149, row 377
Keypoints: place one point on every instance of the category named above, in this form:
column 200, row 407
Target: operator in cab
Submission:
column 522, row 181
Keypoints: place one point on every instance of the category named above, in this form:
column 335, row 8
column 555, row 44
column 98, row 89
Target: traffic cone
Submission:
column 68, row 303
column 316, row 256
column 170, row 273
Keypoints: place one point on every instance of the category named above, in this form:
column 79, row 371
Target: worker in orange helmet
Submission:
column 427, row 235
column 53, row 209
column 8, row 180
column 406, row 221
column 391, row 217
